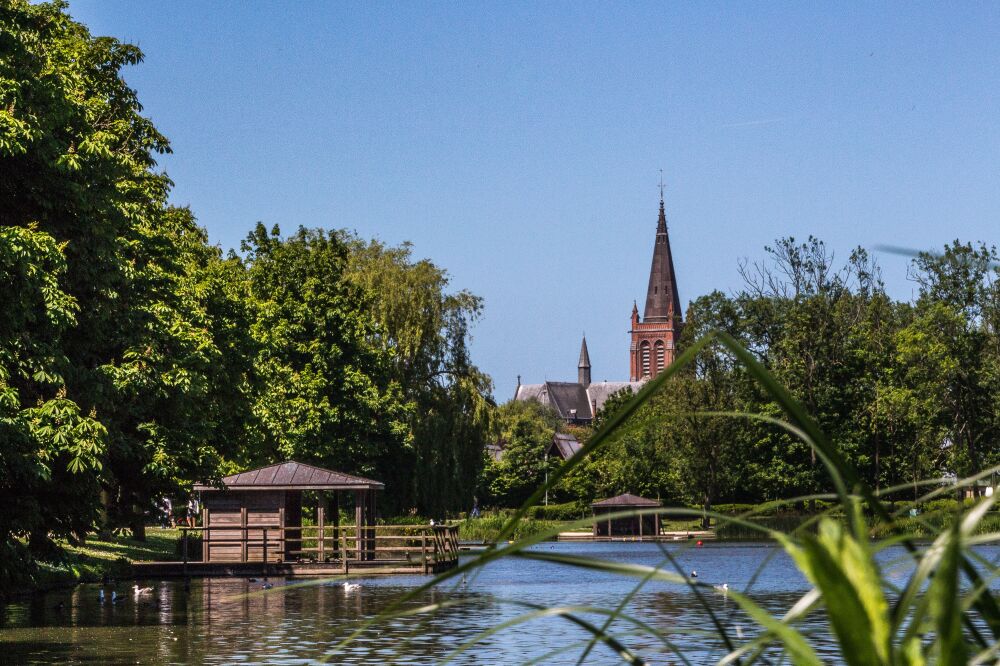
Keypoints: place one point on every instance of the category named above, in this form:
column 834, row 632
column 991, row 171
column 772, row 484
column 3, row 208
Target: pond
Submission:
column 231, row 620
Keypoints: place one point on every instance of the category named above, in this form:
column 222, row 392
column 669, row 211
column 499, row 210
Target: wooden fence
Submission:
column 422, row 546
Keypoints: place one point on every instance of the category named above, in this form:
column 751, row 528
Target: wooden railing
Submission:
column 420, row 545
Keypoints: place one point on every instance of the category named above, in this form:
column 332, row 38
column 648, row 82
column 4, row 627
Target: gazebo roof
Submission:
column 626, row 500
column 293, row 475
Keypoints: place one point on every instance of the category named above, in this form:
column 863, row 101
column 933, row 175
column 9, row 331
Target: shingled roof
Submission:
column 294, row 475
column 627, row 499
column 565, row 445
column 567, row 396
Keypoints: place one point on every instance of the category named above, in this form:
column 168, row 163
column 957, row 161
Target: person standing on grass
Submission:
column 192, row 512
column 167, row 509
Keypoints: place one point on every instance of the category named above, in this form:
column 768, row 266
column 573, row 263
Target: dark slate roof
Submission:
column 663, row 303
column 565, row 445
column 569, row 399
column 293, row 475
column 565, row 396
column 627, row 500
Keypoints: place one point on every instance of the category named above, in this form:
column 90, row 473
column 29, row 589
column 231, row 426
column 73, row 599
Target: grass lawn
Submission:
column 113, row 557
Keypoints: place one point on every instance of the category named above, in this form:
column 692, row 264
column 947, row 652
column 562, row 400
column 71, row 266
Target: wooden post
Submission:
column 594, row 513
column 321, row 528
column 184, row 546
column 243, row 525
column 336, row 524
column 371, row 521
column 204, row 535
column 343, row 550
column 281, row 534
column 423, row 550
column 641, row 518
column 264, row 567
column 359, row 517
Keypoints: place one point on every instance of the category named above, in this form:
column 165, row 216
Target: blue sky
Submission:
column 519, row 145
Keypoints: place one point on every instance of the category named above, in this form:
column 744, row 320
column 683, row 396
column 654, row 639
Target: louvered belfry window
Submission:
column 645, row 359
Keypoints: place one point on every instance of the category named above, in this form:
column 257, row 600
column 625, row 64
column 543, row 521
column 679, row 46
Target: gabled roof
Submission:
column 565, row 445
column 293, row 475
column 564, row 397
column 599, row 392
column 626, row 500
column 569, row 399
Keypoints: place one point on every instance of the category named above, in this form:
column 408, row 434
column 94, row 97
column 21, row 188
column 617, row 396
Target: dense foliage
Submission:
column 907, row 390
column 136, row 358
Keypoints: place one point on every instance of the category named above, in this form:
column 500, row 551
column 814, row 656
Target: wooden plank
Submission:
column 243, row 524
column 321, row 531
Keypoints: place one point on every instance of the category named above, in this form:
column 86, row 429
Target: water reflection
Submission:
column 229, row 620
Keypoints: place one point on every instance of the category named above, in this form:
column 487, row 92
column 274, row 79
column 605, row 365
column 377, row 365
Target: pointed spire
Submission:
column 583, row 368
column 663, row 302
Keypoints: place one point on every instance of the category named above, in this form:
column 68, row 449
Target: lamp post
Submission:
column 546, row 477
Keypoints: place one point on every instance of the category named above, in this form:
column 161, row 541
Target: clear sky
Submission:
column 519, row 145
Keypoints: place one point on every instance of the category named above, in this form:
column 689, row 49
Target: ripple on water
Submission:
column 224, row 621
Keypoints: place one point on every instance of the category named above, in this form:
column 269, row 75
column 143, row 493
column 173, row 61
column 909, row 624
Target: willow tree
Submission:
column 425, row 327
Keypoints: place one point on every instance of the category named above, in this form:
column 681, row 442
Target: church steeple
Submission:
column 583, row 368
column 654, row 338
column 663, row 303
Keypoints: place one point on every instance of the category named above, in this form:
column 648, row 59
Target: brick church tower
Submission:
column 654, row 338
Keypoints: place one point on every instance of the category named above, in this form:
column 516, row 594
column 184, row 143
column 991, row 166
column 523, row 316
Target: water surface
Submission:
column 232, row 620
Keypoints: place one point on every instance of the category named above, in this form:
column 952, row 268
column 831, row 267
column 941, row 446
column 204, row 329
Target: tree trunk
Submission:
column 706, row 522
column 138, row 526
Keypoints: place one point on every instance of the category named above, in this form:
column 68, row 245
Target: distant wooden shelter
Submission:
column 646, row 525
column 261, row 511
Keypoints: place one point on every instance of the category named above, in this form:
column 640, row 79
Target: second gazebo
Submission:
column 634, row 525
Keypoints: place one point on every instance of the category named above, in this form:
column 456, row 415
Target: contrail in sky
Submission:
column 756, row 122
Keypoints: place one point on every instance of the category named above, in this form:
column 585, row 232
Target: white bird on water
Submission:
column 351, row 587
column 139, row 591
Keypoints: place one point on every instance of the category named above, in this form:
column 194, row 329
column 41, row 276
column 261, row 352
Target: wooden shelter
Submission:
column 636, row 525
column 260, row 511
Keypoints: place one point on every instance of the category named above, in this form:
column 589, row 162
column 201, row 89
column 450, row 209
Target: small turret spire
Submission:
column 583, row 368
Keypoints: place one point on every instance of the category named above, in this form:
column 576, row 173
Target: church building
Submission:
column 653, row 344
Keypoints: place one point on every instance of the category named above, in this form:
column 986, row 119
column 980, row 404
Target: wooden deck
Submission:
column 295, row 569
column 319, row 551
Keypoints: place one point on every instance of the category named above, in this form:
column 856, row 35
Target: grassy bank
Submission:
column 488, row 527
column 97, row 559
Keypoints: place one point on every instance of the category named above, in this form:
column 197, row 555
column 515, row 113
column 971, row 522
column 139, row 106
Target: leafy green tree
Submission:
column 325, row 392
column 50, row 449
column 525, row 430
column 425, row 330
